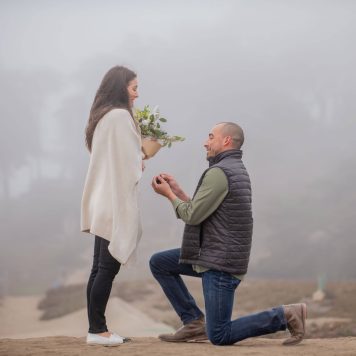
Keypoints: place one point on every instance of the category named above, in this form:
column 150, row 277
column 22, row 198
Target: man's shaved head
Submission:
column 234, row 131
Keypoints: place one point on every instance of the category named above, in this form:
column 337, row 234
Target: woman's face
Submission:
column 132, row 91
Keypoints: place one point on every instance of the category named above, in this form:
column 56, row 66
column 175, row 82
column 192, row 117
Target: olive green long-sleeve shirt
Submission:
column 209, row 196
column 207, row 199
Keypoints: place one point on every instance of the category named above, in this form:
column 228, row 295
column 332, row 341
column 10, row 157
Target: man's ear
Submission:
column 227, row 140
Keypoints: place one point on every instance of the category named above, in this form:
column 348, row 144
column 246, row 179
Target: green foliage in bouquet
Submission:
column 150, row 125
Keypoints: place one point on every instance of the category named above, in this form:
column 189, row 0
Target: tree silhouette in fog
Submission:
column 38, row 243
column 23, row 95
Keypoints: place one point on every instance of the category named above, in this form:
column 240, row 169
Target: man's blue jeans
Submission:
column 219, row 289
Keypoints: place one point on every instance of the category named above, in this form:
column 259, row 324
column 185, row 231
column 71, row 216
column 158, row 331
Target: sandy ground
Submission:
column 20, row 318
column 146, row 346
column 141, row 311
column 22, row 333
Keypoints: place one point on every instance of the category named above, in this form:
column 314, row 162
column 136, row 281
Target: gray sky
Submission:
column 284, row 70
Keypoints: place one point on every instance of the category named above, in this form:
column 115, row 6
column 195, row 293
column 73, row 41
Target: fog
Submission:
column 284, row 70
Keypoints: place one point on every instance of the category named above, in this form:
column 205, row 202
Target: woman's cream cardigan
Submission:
column 110, row 198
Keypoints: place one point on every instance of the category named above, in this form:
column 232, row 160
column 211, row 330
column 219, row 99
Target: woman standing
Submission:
column 110, row 203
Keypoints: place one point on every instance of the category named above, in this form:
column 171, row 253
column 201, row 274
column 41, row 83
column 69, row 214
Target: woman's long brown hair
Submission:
column 112, row 93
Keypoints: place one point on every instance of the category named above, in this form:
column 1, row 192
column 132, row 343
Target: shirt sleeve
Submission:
column 209, row 196
column 125, row 171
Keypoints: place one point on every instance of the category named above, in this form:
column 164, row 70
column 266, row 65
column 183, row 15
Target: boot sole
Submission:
column 199, row 339
column 192, row 339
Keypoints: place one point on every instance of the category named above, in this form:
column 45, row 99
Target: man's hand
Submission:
column 171, row 181
column 160, row 186
column 176, row 189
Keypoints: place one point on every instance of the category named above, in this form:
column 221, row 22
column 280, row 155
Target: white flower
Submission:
column 155, row 112
column 150, row 124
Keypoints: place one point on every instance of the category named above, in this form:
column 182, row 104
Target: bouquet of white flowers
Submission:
column 153, row 137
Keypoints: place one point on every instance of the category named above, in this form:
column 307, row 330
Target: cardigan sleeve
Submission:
column 125, row 171
column 124, row 148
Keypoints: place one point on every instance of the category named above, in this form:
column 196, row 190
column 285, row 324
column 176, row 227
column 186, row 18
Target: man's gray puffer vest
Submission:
column 223, row 241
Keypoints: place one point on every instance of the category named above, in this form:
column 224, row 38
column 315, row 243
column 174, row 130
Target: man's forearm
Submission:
column 171, row 196
column 182, row 196
column 209, row 196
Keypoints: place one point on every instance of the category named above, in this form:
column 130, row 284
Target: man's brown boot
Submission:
column 193, row 331
column 295, row 315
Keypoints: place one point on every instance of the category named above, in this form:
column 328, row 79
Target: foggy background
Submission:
column 284, row 70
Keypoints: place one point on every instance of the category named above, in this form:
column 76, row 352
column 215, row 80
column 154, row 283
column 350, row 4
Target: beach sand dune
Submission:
column 20, row 318
column 140, row 310
column 147, row 346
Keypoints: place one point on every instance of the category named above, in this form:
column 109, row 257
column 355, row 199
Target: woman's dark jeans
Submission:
column 102, row 275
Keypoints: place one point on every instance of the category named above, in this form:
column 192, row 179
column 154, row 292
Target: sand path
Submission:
column 20, row 318
column 71, row 346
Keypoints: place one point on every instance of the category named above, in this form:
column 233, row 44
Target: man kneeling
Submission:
column 216, row 247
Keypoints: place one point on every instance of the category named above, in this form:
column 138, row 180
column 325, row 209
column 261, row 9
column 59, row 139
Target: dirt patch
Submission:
column 252, row 295
column 70, row 346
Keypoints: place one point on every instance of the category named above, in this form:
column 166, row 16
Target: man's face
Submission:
column 214, row 143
